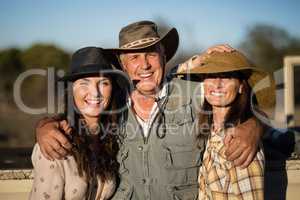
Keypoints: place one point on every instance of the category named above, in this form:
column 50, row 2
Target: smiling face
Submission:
column 92, row 95
column 145, row 68
column 221, row 91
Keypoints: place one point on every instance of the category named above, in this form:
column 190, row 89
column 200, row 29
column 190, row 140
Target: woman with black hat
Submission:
column 90, row 170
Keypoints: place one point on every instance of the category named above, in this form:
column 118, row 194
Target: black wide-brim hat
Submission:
column 93, row 61
column 142, row 35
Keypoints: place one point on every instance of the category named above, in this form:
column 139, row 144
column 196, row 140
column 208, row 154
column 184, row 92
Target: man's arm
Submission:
column 242, row 141
column 196, row 60
column 53, row 142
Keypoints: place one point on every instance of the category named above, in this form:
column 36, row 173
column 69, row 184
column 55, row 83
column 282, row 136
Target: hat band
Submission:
column 140, row 42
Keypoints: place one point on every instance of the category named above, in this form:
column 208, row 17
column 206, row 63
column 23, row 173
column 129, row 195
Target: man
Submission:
column 158, row 158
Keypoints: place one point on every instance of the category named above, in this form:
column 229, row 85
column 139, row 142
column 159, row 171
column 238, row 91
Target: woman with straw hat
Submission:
column 229, row 79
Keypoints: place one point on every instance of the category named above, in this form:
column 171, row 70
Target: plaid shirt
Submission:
column 220, row 179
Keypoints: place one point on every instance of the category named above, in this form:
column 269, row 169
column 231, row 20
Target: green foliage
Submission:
column 10, row 66
column 13, row 122
column 44, row 55
column 266, row 45
column 41, row 56
column 14, row 61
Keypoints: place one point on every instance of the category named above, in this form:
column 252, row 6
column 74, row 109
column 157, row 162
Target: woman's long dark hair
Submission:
column 95, row 154
column 239, row 112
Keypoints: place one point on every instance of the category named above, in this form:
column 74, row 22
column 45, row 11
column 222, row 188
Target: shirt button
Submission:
column 140, row 148
column 169, row 188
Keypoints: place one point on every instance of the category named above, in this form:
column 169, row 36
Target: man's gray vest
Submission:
column 163, row 166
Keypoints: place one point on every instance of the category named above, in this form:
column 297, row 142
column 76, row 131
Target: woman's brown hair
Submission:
column 95, row 154
column 239, row 112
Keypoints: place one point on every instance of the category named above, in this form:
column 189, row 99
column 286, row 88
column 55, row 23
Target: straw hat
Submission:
column 261, row 82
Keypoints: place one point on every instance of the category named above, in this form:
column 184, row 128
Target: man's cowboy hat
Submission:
column 261, row 82
column 93, row 61
column 142, row 35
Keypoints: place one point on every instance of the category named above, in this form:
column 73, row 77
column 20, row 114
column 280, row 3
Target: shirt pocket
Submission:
column 181, row 164
column 179, row 114
column 189, row 192
column 182, row 156
column 180, row 125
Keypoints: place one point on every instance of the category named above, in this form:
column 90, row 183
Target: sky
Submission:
column 72, row 24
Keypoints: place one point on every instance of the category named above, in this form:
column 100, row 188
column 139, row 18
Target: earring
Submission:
column 240, row 90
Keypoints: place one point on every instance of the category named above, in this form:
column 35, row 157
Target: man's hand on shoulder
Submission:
column 242, row 142
column 196, row 60
column 51, row 137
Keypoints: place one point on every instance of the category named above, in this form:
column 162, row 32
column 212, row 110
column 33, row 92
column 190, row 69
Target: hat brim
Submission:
column 76, row 76
column 170, row 41
column 118, row 76
column 261, row 82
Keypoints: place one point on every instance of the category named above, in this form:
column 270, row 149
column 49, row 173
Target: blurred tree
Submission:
column 266, row 45
column 41, row 56
column 10, row 66
column 17, row 127
column 45, row 55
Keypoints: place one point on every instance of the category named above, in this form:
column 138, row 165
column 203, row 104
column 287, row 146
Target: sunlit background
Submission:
column 40, row 34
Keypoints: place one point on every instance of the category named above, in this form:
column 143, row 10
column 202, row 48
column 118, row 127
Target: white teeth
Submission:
column 145, row 75
column 217, row 94
column 93, row 101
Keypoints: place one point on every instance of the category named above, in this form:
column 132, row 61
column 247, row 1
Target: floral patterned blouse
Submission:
column 59, row 179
